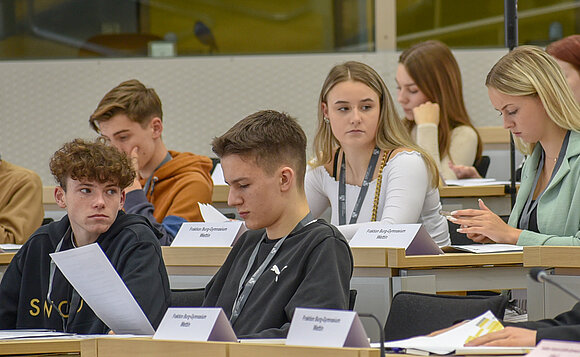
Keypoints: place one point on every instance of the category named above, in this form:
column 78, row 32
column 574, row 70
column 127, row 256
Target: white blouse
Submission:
column 406, row 197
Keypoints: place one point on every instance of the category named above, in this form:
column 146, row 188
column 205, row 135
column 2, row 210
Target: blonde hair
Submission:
column 391, row 134
column 436, row 72
column 530, row 71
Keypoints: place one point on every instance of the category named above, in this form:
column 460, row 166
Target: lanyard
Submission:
column 148, row 183
column 529, row 206
column 244, row 290
column 75, row 298
column 363, row 189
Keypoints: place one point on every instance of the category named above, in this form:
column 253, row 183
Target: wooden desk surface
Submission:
column 263, row 350
column 472, row 191
column 364, row 257
column 553, row 257
column 220, row 193
column 398, row 259
column 147, row 347
column 40, row 347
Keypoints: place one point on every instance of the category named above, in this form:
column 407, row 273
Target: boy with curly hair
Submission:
column 91, row 177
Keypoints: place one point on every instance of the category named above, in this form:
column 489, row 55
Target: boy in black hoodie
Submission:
column 287, row 259
column 91, row 178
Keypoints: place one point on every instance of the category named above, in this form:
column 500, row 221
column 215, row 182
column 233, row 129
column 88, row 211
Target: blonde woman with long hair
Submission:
column 530, row 91
column 366, row 167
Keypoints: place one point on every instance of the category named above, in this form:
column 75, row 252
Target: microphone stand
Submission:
column 511, row 41
column 381, row 331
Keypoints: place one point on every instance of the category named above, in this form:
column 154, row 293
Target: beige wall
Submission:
column 45, row 103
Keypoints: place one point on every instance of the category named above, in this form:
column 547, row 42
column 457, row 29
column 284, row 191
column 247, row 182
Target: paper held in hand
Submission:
column 327, row 328
column 216, row 231
column 88, row 270
column 195, row 324
column 413, row 237
column 453, row 339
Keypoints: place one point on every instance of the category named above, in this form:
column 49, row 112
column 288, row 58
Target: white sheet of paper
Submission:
column 327, row 328
column 551, row 348
column 211, row 214
column 448, row 341
column 33, row 333
column 195, row 324
column 489, row 248
column 90, row 272
column 472, row 182
column 218, row 175
column 413, row 237
column 9, row 247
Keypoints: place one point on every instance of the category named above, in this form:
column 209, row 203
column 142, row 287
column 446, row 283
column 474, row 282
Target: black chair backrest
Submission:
column 187, row 297
column 352, row 299
column 413, row 314
column 482, row 164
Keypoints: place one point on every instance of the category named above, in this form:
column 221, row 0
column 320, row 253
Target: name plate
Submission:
column 551, row 348
column 326, row 328
column 207, row 234
column 413, row 237
column 195, row 324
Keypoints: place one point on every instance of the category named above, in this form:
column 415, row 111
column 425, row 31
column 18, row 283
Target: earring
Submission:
column 326, row 120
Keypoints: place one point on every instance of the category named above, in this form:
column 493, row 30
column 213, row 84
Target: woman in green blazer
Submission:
column 530, row 91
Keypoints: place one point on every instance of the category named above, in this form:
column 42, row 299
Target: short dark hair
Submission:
column 91, row 160
column 271, row 138
column 132, row 98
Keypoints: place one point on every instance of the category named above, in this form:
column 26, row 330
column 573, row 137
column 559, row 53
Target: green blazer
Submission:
column 559, row 207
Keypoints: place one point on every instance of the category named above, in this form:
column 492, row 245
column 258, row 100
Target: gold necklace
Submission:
column 378, row 188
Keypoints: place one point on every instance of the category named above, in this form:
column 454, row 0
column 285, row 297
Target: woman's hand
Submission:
column 509, row 336
column 426, row 113
column 462, row 171
column 484, row 226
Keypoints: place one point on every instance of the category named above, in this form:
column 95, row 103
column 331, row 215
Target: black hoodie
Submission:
column 132, row 246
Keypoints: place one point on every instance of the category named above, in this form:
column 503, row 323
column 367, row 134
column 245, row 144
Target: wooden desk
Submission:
column 461, row 197
column 194, row 260
column 456, row 272
column 262, row 350
column 147, row 347
column 41, row 347
column 546, row 301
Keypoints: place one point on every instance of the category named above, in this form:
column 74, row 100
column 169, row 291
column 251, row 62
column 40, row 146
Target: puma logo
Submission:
column 277, row 271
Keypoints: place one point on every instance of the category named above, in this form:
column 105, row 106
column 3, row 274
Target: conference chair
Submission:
column 187, row 297
column 413, row 314
column 352, row 299
column 482, row 164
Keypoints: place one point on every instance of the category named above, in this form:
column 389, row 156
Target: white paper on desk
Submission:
column 449, row 341
column 9, row 247
column 32, row 333
column 218, row 175
column 489, row 248
column 90, row 272
column 472, row 182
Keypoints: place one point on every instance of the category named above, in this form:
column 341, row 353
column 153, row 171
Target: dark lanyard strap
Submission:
column 244, row 289
column 148, row 183
column 363, row 189
column 529, row 206
column 75, row 298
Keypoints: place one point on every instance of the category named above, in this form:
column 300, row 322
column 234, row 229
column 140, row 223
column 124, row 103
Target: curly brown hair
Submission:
column 91, row 160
